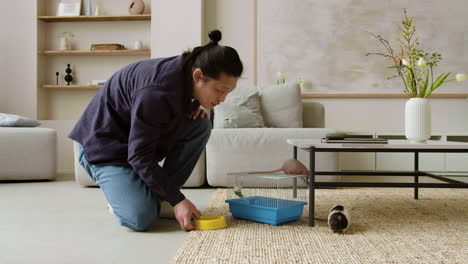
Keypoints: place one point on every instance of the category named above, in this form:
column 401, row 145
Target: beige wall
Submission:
column 3, row 68
column 236, row 20
column 176, row 26
column 387, row 114
column 19, row 58
column 326, row 42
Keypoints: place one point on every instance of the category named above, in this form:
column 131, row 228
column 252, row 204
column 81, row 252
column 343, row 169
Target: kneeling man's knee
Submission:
column 139, row 219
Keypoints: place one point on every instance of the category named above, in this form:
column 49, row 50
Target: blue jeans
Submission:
column 134, row 204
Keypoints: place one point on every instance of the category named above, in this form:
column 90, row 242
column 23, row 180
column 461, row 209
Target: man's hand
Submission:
column 198, row 113
column 183, row 212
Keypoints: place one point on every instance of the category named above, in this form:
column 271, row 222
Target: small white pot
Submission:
column 138, row 45
column 418, row 120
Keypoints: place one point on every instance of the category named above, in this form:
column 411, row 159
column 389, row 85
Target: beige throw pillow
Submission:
column 281, row 105
column 239, row 111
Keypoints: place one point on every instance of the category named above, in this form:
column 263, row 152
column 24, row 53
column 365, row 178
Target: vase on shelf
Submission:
column 418, row 120
column 64, row 40
column 137, row 7
column 138, row 45
column 88, row 8
column 97, row 10
column 64, row 44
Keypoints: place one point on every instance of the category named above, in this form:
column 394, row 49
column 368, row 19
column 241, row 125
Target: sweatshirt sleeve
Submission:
column 151, row 113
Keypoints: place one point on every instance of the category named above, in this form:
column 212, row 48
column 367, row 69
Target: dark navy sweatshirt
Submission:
column 133, row 119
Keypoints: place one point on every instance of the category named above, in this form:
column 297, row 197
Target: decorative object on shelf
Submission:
column 88, row 8
column 415, row 67
column 65, row 43
column 69, row 8
column 68, row 77
column 98, row 9
column 137, row 7
column 138, row 45
column 57, row 77
column 97, row 82
column 111, row 46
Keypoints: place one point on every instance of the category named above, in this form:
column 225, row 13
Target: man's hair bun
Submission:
column 215, row 36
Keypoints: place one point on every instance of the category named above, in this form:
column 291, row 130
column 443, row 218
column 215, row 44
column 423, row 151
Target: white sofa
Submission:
column 28, row 153
column 244, row 149
column 247, row 149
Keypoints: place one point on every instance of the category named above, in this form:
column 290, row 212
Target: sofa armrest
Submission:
column 28, row 153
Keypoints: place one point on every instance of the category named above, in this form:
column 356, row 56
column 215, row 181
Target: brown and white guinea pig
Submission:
column 339, row 219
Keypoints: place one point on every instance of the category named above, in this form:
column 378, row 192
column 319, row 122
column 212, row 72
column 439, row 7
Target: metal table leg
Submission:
column 416, row 177
column 295, row 179
column 312, row 187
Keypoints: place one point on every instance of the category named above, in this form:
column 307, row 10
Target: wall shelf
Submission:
column 145, row 52
column 70, row 86
column 94, row 18
column 55, row 99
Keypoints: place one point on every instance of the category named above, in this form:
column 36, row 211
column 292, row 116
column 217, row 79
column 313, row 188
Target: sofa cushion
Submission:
column 281, row 105
column 239, row 110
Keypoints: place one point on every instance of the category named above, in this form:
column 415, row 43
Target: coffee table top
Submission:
column 392, row 144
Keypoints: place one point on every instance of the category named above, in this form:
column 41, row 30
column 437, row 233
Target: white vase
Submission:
column 64, row 44
column 138, row 45
column 88, row 8
column 418, row 120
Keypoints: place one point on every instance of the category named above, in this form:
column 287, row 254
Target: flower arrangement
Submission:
column 281, row 78
column 414, row 65
column 301, row 82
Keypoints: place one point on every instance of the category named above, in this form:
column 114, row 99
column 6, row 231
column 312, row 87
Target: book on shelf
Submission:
column 109, row 46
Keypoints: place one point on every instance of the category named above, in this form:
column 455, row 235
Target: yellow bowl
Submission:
column 210, row 222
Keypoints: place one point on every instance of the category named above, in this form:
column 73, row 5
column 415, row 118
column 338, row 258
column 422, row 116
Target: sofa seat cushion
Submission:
column 260, row 149
column 28, row 153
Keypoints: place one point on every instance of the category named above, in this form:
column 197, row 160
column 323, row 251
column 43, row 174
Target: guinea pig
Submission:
column 339, row 219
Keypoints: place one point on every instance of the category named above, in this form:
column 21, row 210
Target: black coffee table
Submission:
column 313, row 146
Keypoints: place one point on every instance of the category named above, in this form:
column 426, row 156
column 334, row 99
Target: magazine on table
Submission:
column 356, row 140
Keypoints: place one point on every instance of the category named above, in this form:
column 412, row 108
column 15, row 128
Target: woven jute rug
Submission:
column 388, row 226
